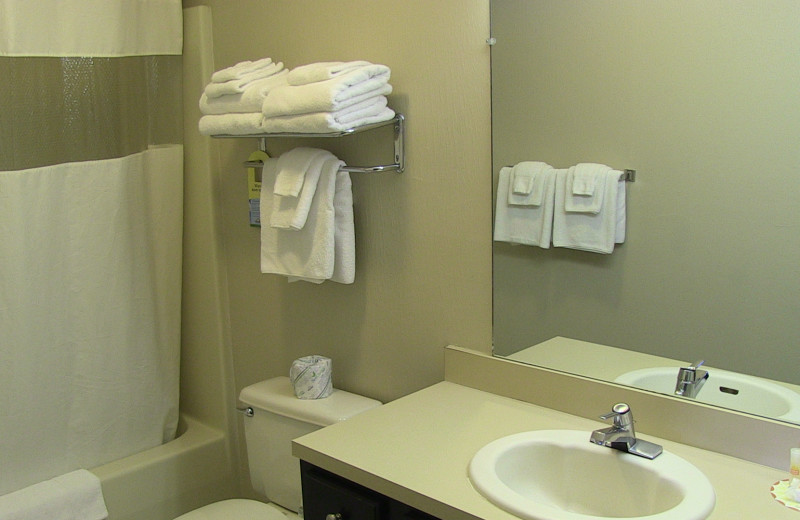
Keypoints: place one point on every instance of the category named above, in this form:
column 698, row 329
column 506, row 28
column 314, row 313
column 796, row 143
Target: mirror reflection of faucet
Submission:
column 691, row 380
column 621, row 436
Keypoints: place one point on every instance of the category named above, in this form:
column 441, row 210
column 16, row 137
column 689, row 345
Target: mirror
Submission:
column 701, row 99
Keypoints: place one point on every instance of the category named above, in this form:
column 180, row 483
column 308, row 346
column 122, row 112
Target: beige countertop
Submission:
column 417, row 449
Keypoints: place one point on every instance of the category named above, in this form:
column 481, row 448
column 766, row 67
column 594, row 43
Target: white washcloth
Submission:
column 585, row 185
column 72, row 496
column 322, row 122
column 238, row 85
column 325, row 248
column 526, row 186
column 292, row 212
column 249, row 101
column 291, row 170
column 595, row 232
column 322, row 71
column 240, row 69
column 232, row 124
column 528, row 225
column 330, row 95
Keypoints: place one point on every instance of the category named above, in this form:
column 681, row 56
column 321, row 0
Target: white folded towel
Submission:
column 528, row 225
column 240, row 69
column 249, row 101
column 292, row 212
column 585, row 185
column 325, row 248
column 238, row 85
column 526, row 186
column 330, row 95
column 72, row 496
column 322, row 71
column 595, row 232
column 232, row 124
column 322, row 122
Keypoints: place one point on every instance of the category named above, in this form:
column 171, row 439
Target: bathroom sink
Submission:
column 560, row 475
column 729, row 389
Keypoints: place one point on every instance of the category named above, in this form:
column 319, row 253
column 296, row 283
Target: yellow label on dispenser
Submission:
column 254, row 188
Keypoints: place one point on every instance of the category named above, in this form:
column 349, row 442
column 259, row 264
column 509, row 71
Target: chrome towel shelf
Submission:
column 399, row 145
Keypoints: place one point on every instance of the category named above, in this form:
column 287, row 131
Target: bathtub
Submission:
column 169, row 480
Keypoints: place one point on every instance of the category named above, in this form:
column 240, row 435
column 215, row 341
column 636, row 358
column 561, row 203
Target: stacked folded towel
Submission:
column 231, row 103
column 329, row 96
column 308, row 203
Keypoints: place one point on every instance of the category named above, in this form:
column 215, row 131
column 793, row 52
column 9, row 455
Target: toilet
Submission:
column 277, row 418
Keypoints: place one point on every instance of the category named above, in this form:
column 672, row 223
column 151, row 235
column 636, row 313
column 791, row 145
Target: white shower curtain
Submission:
column 90, row 257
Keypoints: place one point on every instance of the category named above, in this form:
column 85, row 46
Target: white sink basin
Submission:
column 729, row 389
column 560, row 475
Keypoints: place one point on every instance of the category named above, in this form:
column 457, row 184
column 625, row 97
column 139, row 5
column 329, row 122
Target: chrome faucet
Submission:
column 691, row 380
column 621, row 435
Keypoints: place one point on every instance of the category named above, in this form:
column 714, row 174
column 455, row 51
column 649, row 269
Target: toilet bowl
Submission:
column 277, row 418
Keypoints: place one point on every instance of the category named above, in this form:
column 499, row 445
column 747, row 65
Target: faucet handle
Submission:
column 696, row 364
column 617, row 410
column 623, row 417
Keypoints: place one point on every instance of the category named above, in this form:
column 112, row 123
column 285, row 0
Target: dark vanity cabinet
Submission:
column 327, row 496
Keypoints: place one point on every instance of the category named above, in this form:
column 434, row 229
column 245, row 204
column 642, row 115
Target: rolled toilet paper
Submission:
column 312, row 377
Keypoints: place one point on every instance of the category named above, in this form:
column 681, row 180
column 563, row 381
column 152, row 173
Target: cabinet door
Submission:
column 329, row 497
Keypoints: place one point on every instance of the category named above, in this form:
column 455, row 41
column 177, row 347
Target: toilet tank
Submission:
column 278, row 417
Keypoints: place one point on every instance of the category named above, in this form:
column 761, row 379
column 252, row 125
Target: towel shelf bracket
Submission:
column 399, row 145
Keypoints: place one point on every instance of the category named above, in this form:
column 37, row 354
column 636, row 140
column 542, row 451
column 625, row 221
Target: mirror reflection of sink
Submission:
column 560, row 475
column 729, row 389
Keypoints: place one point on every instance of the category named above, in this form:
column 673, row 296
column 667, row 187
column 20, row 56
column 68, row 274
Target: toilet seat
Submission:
column 235, row 509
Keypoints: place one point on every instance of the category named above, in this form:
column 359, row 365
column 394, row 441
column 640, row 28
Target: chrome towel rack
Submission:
column 627, row 175
column 399, row 144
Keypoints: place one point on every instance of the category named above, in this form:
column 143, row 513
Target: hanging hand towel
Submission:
column 240, row 69
column 249, row 101
column 585, row 187
column 292, row 212
column 595, row 232
column 238, row 85
column 322, row 71
column 528, row 225
column 526, row 186
column 325, row 248
column 291, row 170
column 73, row 496
column 232, row 124
column 331, row 95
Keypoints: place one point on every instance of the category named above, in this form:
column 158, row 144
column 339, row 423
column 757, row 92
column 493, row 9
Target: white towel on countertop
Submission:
column 232, row 124
column 330, row 95
column 322, row 71
column 527, row 225
column 291, row 170
column 585, row 185
column 325, row 248
column 238, row 85
column 249, row 101
column 292, row 212
column 73, row 496
column 526, row 186
column 240, row 69
column 322, row 122
column 595, row 232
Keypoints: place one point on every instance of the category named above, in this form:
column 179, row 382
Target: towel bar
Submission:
column 627, row 175
column 399, row 145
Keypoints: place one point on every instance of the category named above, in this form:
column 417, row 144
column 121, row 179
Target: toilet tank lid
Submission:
column 277, row 396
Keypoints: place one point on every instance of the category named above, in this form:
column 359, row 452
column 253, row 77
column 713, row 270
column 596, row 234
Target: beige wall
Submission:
column 701, row 99
column 423, row 276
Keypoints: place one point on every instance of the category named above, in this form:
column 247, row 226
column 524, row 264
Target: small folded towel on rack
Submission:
column 292, row 212
column 73, row 496
column 585, row 185
column 330, row 95
column 291, row 170
column 323, row 122
column 232, row 124
column 588, row 231
column 322, row 71
column 238, row 85
column 249, row 101
column 526, row 185
column 325, row 248
column 528, row 225
column 240, row 69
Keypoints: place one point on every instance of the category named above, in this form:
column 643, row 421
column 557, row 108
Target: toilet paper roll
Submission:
column 312, row 377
